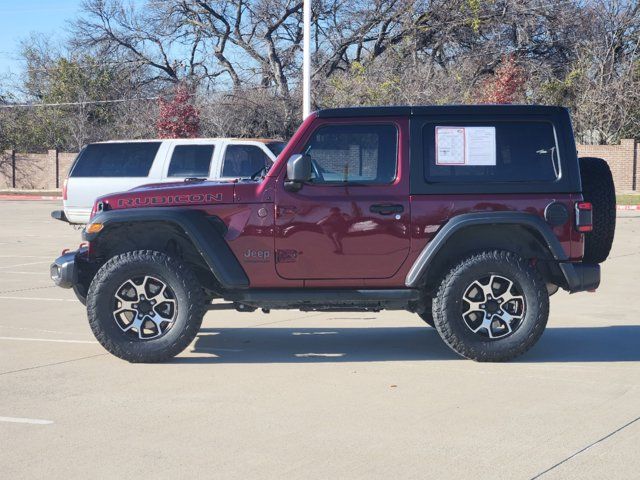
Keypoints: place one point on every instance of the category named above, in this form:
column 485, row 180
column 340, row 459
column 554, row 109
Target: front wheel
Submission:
column 145, row 306
column 492, row 306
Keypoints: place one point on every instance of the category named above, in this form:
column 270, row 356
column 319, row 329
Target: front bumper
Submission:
column 581, row 277
column 64, row 270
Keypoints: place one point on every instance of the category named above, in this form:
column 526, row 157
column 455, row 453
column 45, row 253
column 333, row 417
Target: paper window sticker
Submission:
column 450, row 146
column 481, row 146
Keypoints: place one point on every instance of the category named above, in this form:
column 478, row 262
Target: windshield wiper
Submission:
column 260, row 173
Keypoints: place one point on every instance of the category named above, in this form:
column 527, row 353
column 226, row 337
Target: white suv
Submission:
column 108, row 167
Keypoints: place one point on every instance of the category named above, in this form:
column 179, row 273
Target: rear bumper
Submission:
column 74, row 215
column 64, row 270
column 59, row 215
column 581, row 277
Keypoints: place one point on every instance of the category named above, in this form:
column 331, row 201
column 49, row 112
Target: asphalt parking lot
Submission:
column 316, row 395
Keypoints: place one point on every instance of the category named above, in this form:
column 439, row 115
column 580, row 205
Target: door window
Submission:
column 191, row 161
column 244, row 161
column 365, row 154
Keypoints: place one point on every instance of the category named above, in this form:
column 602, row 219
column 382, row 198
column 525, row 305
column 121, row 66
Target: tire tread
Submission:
column 444, row 298
column 195, row 306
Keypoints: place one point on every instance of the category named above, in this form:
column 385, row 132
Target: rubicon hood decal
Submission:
column 172, row 195
column 178, row 199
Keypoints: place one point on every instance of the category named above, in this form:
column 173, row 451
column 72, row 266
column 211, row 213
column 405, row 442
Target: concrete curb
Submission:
column 29, row 197
column 628, row 207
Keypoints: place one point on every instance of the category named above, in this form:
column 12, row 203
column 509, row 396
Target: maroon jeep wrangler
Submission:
column 469, row 216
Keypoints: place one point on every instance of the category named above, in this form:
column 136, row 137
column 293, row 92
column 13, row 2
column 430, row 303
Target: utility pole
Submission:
column 306, row 60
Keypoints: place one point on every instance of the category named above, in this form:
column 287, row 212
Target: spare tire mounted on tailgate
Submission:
column 598, row 188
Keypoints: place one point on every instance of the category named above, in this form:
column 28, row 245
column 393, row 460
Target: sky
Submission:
column 19, row 18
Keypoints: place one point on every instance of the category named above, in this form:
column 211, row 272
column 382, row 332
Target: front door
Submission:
column 352, row 220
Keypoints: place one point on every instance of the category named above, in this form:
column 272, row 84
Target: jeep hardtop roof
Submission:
column 403, row 111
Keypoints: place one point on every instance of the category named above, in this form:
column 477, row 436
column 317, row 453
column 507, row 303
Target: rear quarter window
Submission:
column 115, row 160
column 524, row 152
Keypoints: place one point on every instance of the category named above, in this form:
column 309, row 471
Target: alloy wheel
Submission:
column 145, row 307
column 493, row 306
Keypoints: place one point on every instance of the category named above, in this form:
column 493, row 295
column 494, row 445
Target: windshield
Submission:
column 276, row 147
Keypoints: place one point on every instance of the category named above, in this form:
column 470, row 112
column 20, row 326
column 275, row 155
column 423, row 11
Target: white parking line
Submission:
column 54, row 340
column 40, row 298
column 32, row 421
column 42, row 273
column 40, row 330
column 24, row 264
column 23, row 256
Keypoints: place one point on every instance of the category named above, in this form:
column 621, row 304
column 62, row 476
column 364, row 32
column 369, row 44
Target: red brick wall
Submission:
column 65, row 160
column 622, row 159
column 34, row 171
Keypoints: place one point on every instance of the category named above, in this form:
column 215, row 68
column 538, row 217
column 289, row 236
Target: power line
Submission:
column 69, row 104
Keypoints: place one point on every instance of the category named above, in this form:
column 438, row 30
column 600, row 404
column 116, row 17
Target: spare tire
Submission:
column 598, row 188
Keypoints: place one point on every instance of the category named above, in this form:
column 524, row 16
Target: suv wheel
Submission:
column 145, row 306
column 492, row 306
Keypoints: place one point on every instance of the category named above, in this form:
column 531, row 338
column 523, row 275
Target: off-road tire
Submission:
column 427, row 315
column 188, row 295
column 598, row 188
column 447, row 306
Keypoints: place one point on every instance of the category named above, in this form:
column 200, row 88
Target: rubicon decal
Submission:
column 198, row 198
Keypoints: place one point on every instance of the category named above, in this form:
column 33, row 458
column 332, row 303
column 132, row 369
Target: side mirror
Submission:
column 298, row 172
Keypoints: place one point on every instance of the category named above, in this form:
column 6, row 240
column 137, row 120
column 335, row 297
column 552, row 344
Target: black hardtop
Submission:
column 419, row 110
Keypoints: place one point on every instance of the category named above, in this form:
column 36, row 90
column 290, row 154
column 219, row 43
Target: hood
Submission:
column 170, row 194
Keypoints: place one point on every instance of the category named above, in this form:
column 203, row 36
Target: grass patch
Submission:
column 628, row 199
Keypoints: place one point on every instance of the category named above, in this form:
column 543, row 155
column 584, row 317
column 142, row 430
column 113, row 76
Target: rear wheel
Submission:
column 492, row 306
column 145, row 306
column 599, row 190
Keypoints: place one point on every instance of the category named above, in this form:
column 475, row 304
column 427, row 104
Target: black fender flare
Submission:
column 199, row 228
column 455, row 224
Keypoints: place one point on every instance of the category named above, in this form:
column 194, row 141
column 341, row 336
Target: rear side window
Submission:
column 115, row 160
column 354, row 154
column 500, row 152
column 191, row 161
column 243, row 161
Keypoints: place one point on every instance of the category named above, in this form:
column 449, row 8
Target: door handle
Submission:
column 386, row 209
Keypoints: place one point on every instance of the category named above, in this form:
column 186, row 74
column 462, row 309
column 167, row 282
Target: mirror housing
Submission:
column 298, row 172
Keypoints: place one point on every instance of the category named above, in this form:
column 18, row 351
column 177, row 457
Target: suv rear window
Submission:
column 115, row 160
column 354, row 154
column 518, row 152
column 191, row 161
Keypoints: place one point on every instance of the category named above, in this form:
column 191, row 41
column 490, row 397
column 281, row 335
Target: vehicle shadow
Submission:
column 312, row 345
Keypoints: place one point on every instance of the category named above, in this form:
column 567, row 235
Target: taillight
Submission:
column 584, row 217
column 64, row 189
